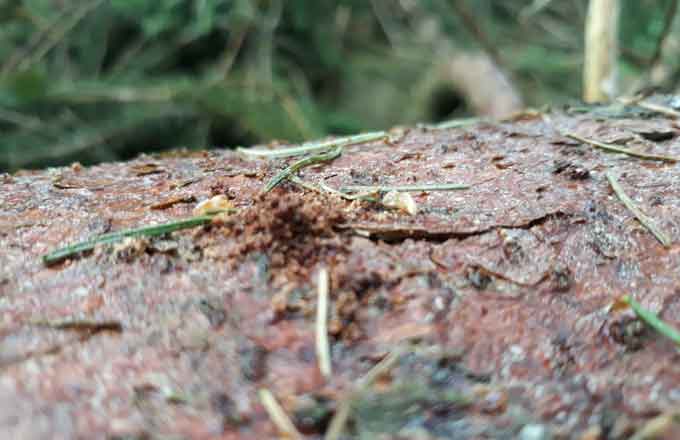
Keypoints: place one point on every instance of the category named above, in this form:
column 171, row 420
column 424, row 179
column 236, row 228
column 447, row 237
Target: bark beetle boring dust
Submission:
column 502, row 295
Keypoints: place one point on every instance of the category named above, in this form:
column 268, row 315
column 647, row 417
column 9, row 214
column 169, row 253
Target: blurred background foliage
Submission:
column 102, row 80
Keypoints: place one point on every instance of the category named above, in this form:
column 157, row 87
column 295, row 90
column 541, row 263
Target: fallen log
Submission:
column 495, row 287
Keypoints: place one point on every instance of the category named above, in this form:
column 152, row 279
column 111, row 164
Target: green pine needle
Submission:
column 297, row 166
column 651, row 319
column 113, row 237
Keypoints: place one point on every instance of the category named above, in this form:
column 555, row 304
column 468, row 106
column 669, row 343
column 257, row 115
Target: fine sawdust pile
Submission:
column 289, row 228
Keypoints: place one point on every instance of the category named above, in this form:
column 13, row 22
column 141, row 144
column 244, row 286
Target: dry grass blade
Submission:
column 616, row 149
column 323, row 352
column 337, row 424
column 646, row 221
column 278, row 415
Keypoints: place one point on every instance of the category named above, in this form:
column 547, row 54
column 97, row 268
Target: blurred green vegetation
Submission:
column 103, row 80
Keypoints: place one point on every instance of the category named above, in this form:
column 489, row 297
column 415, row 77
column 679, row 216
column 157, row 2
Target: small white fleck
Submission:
column 534, row 432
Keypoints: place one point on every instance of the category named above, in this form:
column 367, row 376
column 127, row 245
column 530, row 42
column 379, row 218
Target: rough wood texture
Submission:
column 505, row 291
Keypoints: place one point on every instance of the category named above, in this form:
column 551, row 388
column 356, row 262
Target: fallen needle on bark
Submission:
column 646, row 221
column 337, row 423
column 323, row 188
column 323, row 351
column 113, row 237
column 652, row 320
column 406, row 188
column 278, row 415
column 617, row 149
column 297, row 166
column 662, row 109
column 313, row 146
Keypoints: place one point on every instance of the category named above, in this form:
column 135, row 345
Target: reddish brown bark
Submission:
column 505, row 289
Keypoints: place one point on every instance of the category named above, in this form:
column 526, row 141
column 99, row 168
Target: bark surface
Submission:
column 503, row 295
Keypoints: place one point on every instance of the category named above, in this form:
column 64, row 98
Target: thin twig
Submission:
column 278, row 415
column 113, row 237
column 405, row 188
column 646, row 221
column 337, row 423
column 313, row 146
column 616, row 149
column 323, row 351
column 651, row 319
column 297, row 166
